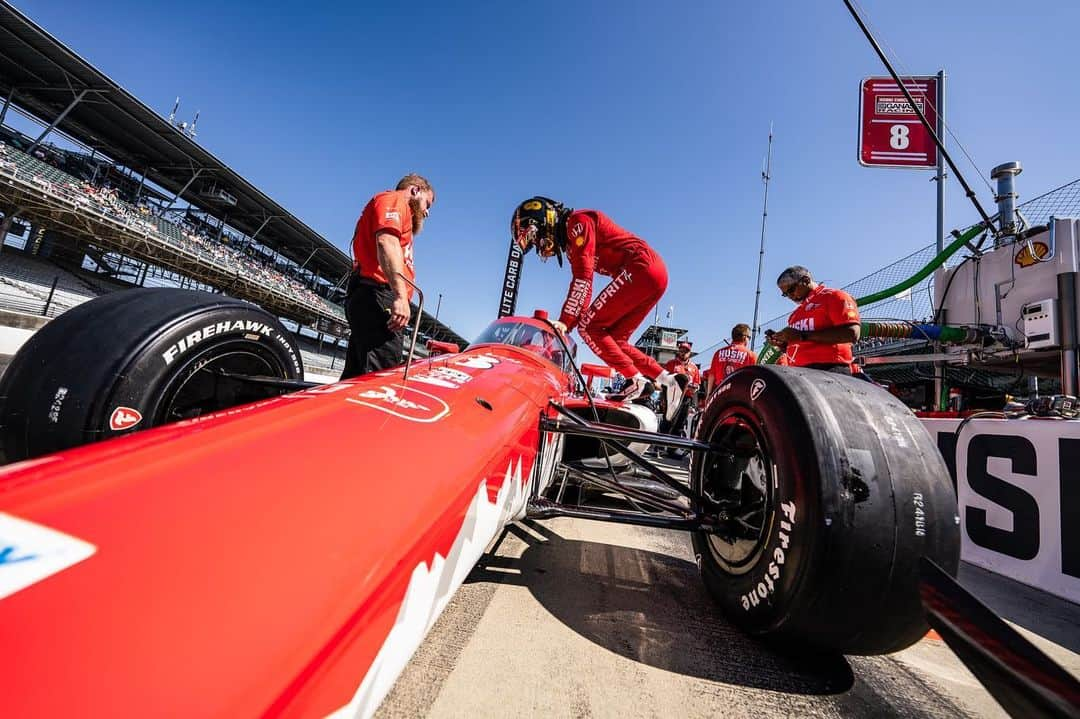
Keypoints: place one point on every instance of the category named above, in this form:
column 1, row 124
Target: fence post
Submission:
column 52, row 290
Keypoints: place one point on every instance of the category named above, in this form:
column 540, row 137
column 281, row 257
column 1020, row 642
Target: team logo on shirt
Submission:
column 392, row 215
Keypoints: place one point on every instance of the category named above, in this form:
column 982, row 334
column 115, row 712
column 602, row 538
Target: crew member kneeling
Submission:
column 822, row 328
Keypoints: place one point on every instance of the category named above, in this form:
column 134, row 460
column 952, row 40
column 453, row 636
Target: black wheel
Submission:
column 829, row 491
column 137, row 359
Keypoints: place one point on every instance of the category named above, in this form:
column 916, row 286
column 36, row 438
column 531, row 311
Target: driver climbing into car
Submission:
column 595, row 244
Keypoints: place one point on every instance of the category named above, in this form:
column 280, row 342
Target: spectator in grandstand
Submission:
column 822, row 328
column 732, row 356
column 377, row 298
column 594, row 243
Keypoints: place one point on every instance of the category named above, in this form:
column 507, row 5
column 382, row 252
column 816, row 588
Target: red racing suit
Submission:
column 639, row 278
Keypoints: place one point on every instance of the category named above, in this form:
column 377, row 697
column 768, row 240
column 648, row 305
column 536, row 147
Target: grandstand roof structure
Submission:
column 49, row 80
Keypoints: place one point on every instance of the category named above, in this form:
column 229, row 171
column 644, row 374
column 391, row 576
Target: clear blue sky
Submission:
column 654, row 113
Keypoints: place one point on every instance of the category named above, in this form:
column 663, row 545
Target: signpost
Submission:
column 890, row 133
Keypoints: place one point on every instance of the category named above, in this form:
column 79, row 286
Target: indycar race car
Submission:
column 268, row 547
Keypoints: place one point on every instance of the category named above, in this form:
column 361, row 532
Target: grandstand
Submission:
column 128, row 199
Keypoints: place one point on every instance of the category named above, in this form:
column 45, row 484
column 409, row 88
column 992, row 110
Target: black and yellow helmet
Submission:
column 537, row 222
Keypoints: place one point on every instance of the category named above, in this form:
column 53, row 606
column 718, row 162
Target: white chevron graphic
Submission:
column 430, row 589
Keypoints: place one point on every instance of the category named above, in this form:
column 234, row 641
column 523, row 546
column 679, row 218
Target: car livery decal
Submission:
column 431, row 587
column 403, row 402
column 30, row 553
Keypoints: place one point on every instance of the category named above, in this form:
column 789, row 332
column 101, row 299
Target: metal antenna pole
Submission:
column 922, row 118
column 765, row 175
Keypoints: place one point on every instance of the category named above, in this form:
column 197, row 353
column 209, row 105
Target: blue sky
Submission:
column 656, row 114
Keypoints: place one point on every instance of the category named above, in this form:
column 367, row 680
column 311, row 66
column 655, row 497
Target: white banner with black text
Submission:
column 1018, row 488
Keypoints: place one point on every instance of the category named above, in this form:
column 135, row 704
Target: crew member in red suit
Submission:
column 595, row 244
column 377, row 297
column 822, row 328
column 732, row 356
column 681, row 364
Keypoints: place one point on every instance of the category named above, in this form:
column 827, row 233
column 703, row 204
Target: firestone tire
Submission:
column 841, row 490
column 137, row 359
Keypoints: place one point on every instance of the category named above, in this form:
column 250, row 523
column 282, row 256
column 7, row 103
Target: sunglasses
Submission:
column 790, row 291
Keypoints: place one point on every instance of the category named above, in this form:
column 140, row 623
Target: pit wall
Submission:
column 1018, row 488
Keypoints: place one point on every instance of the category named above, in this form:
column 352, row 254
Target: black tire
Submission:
column 841, row 490
column 153, row 351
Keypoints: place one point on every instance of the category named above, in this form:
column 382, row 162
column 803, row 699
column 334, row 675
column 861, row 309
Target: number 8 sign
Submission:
column 890, row 133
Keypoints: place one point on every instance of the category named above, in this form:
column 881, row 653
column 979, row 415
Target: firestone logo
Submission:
column 124, row 418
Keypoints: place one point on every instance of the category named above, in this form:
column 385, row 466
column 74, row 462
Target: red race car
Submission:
column 272, row 548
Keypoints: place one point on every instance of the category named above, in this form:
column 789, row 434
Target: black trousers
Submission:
column 840, row 369
column 837, row 368
column 372, row 346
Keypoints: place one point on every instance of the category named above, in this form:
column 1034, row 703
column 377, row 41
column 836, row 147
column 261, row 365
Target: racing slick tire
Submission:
column 831, row 490
column 135, row 359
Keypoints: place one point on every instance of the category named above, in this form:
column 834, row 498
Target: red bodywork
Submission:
column 284, row 558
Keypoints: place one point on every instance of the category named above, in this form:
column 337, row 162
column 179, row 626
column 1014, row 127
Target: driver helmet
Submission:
column 540, row 222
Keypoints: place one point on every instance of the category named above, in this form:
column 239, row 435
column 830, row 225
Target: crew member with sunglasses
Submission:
column 595, row 244
column 822, row 328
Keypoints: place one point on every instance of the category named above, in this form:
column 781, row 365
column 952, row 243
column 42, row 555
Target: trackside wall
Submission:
column 1018, row 486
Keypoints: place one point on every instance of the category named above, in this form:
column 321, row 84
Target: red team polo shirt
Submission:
column 386, row 212
column 595, row 244
column 823, row 308
column 674, row 366
column 730, row 358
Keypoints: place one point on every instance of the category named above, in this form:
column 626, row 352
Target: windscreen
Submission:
column 530, row 337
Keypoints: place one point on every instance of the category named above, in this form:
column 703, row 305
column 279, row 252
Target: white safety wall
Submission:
column 1018, row 488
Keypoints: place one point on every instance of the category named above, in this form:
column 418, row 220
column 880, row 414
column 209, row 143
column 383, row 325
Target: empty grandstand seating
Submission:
column 33, row 280
column 107, row 203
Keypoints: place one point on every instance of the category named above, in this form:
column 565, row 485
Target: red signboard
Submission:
column 890, row 133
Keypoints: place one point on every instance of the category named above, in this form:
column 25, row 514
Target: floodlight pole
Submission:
column 765, row 175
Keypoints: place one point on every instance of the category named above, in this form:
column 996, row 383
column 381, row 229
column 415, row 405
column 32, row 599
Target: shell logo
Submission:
column 1024, row 257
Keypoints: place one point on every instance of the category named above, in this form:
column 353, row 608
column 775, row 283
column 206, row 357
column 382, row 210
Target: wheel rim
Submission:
column 742, row 476
column 199, row 388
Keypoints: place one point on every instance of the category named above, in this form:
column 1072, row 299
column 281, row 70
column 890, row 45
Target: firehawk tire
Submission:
column 136, row 359
column 840, row 491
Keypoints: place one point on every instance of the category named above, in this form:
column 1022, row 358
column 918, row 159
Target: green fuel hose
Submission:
column 770, row 354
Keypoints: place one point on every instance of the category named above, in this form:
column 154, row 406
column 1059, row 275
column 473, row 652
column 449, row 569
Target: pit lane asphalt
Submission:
column 569, row 618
